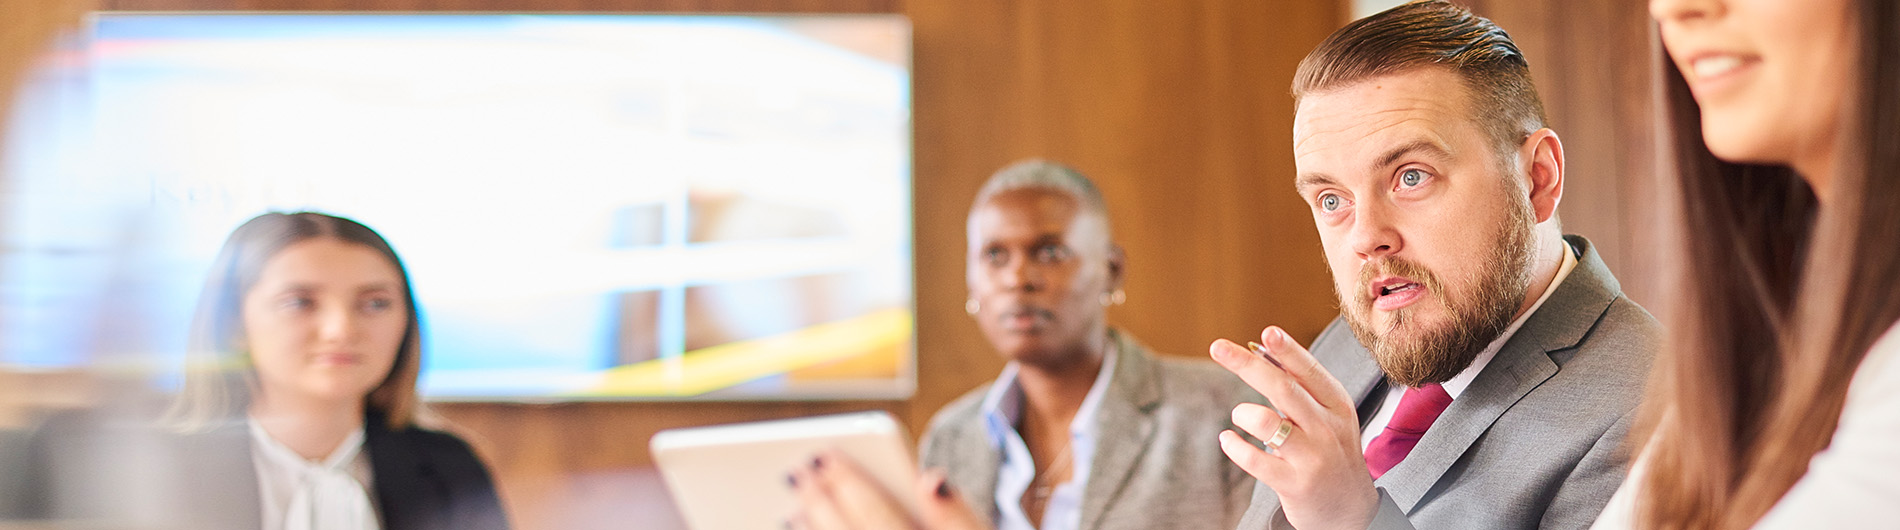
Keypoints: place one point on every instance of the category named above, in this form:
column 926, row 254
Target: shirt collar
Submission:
column 1457, row 384
column 283, row 455
column 1084, row 423
column 1002, row 406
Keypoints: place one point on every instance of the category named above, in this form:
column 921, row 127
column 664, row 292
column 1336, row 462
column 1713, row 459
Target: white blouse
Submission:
column 1854, row 483
column 299, row 494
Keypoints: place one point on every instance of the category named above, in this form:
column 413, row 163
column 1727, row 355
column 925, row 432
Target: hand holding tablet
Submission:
column 840, row 472
column 838, row 494
column 735, row 476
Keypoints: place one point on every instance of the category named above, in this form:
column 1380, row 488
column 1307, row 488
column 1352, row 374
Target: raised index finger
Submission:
column 1305, row 368
column 1285, row 393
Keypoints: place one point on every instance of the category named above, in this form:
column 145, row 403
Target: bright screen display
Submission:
column 589, row 206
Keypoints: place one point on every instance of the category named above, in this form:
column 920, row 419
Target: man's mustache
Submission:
column 1393, row 266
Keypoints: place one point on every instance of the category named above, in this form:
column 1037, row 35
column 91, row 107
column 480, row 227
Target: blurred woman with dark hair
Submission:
column 1778, row 404
column 305, row 351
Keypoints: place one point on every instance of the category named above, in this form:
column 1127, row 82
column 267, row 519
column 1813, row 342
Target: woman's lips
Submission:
column 1712, row 73
column 339, row 359
column 1710, row 67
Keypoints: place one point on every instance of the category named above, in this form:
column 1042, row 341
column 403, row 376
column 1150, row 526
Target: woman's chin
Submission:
column 1729, row 139
column 341, row 393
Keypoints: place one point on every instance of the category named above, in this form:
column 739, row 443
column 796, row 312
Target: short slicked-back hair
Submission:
column 1433, row 33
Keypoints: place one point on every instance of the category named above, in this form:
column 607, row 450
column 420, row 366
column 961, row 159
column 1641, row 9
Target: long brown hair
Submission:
column 219, row 377
column 1778, row 299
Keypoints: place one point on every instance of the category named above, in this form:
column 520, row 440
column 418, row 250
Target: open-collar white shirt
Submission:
column 1002, row 410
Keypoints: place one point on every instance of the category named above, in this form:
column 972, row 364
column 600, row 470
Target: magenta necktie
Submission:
column 1418, row 408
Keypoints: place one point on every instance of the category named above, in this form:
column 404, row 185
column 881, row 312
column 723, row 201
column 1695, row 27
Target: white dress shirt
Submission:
column 1002, row 410
column 299, row 494
column 1457, row 384
column 1852, row 483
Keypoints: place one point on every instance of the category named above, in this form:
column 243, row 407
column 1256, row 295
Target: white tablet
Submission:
column 732, row 477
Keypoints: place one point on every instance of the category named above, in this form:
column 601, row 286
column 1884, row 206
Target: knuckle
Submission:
column 1254, row 460
column 1287, row 386
column 1313, row 368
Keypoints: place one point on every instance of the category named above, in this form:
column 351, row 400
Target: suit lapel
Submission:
column 1349, row 362
column 1123, row 426
column 406, row 486
column 1516, row 370
column 1523, row 364
column 976, row 461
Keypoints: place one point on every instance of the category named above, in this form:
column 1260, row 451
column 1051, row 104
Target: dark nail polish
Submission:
column 791, row 480
column 817, row 462
column 943, row 488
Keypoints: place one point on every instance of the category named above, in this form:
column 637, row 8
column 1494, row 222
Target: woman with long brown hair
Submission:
column 1778, row 404
column 299, row 410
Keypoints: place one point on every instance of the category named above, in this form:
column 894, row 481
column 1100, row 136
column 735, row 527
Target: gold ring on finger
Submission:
column 1279, row 435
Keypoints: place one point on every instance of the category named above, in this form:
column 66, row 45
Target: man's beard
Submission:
column 1411, row 355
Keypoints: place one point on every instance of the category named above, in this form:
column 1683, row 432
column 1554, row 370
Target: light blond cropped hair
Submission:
column 1045, row 175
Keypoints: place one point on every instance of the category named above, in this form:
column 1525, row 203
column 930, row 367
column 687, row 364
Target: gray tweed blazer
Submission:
column 1158, row 464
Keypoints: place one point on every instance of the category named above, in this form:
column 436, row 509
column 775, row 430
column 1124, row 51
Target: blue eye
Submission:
column 1411, row 177
column 378, row 304
column 1329, row 202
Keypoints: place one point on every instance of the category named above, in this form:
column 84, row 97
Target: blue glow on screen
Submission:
column 574, row 195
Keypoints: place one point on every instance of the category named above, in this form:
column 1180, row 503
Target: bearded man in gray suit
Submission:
column 1486, row 367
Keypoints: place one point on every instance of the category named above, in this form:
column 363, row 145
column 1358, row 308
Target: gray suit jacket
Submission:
column 1536, row 441
column 1158, row 464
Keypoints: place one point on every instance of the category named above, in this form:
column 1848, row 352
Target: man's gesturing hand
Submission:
column 1316, row 466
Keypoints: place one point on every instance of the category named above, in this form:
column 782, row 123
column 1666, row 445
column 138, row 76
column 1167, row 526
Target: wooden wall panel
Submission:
column 1592, row 63
column 1179, row 110
column 1187, row 132
column 26, row 30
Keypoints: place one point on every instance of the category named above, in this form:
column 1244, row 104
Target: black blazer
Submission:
column 423, row 479
column 429, row 480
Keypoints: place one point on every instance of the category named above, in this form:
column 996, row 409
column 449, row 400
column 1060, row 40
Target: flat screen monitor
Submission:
column 590, row 207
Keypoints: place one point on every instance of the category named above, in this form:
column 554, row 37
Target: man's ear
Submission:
column 1117, row 265
column 1543, row 153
